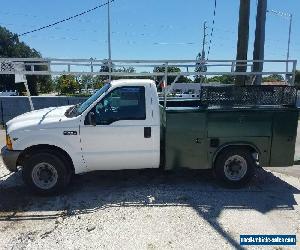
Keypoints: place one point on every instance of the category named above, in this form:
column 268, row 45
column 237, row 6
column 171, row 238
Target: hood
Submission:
column 43, row 118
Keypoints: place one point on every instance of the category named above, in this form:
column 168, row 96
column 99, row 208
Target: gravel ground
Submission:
column 147, row 210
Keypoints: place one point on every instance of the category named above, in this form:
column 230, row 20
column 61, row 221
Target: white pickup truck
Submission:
column 122, row 126
column 116, row 128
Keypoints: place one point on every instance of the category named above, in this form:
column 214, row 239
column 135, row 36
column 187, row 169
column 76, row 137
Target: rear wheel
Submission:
column 235, row 166
column 46, row 173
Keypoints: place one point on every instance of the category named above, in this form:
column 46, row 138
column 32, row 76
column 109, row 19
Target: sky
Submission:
column 147, row 29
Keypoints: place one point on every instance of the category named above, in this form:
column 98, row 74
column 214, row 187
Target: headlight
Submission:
column 8, row 143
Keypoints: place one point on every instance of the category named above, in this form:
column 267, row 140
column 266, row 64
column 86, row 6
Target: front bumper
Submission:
column 10, row 158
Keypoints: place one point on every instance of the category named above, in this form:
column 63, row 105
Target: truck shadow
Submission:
column 101, row 190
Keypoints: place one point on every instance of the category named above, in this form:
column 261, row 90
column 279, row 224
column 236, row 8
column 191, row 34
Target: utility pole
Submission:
column 108, row 40
column 200, row 66
column 289, row 40
column 204, row 41
column 290, row 16
column 259, row 43
column 243, row 40
column 288, row 49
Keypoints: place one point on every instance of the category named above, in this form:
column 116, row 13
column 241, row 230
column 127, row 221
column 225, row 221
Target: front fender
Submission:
column 69, row 143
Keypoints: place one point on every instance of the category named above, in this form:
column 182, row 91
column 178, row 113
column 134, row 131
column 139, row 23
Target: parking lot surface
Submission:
column 148, row 210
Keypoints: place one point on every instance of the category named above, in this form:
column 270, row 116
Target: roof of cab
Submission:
column 132, row 81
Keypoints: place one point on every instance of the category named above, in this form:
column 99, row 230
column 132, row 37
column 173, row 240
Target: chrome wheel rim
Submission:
column 235, row 168
column 44, row 175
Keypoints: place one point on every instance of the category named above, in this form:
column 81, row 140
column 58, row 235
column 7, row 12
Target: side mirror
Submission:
column 92, row 118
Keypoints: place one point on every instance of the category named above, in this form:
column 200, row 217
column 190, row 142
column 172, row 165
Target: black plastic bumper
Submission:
column 10, row 158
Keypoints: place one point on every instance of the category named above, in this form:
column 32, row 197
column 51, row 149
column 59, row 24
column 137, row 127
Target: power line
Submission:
column 66, row 19
column 178, row 43
column 212, row 29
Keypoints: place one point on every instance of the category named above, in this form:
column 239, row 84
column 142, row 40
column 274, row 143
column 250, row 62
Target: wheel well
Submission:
column 251, row 149
column 44, row 147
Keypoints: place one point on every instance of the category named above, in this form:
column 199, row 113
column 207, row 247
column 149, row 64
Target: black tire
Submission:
column 38, row 169
column 234, row 167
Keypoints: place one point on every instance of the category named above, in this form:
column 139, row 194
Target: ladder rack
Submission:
column 22, row 67
column 144, row 68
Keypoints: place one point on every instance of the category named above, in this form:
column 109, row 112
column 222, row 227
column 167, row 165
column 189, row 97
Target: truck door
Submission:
column 123, row 135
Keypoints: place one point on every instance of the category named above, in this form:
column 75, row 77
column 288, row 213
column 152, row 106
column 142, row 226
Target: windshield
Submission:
column 80, row 108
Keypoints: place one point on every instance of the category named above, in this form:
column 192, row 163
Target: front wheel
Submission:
column 235, row 166
column 45, row 173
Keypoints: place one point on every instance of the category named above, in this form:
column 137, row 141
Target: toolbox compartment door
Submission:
column 284, row 138
column 186, row 143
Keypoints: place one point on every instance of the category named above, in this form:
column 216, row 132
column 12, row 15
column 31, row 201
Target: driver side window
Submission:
column 125, row 103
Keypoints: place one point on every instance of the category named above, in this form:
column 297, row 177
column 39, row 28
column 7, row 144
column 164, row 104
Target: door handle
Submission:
column 147, row 132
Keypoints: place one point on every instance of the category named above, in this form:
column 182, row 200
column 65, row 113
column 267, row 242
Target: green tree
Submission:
column 104, row 68
column 98, row 84
column 273, row 78
column 124, row 70
column 170, row 79
column 10, row 46
column 46, row 86
column 223, row 79
column 200, row 67
column 67, row 84
column 87, row 81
